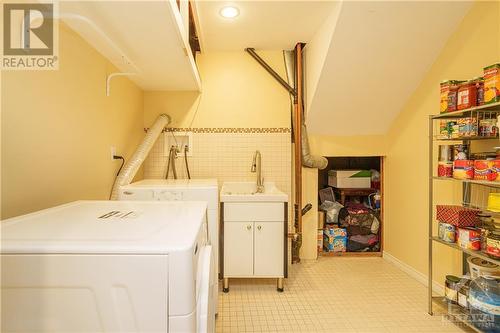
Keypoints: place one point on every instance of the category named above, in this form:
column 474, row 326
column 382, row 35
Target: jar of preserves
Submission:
column 466, row 95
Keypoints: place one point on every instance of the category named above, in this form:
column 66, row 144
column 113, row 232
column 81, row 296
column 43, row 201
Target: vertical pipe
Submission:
column 431, row 203
column 298, row 134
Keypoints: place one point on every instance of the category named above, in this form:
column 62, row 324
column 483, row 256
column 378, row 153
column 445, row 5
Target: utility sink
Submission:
column 247, row 192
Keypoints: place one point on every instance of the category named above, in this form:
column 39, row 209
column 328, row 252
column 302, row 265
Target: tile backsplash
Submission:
column 226, row 154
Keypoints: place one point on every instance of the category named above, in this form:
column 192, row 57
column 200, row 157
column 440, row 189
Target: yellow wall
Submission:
column 58, row 126
column 237, row 92
column 472, row 46
column 362, row 145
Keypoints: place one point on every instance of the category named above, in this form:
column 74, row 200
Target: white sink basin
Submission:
column 247, row 192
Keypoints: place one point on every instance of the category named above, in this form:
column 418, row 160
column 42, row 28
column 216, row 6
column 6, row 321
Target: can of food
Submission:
column 446, row 153
column 485, row 232
column 493, row 244
column 460, row 152
column 488, row 127
column 469, row 238
column 467, row 95
column 445, row 89
column 453, row 95
column 463, row 169
column 467, row 127
column 479, row 82
column 445, row 169
column 484, row 170
column 491, row 84
column 447, row 232
column 496, row 168
column 451, row 288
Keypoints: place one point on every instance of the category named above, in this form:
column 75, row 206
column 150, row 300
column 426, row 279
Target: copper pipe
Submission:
column 298, row 135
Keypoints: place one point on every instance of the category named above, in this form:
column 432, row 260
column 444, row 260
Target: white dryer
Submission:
column 107, row 266
column 183, row 190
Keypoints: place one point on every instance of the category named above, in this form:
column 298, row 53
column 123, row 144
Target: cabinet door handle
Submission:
column 249, row 226
column 259, row 227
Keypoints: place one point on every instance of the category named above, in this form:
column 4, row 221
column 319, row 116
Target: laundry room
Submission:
column 250, row 166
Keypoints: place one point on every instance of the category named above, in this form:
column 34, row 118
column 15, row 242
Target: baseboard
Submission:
column 420, row 277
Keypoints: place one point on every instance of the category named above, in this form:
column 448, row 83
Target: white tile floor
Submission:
column 331, row 295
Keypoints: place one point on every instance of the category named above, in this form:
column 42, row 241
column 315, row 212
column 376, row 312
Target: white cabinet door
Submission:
column 268, row 249
column 238, row 249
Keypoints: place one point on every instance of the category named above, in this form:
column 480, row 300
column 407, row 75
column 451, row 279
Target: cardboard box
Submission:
column 349, row 178
column 335, row 240
column 335, row 232
column 320, row 240
column 321, row 220
column 457, row 215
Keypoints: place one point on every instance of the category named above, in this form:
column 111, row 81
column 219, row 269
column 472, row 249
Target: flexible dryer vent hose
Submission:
column 134, row 163
column 308, row 160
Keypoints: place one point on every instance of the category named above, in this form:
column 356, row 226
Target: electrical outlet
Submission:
column 113, row 152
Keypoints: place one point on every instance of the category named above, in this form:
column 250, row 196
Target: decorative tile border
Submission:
column 228, row 130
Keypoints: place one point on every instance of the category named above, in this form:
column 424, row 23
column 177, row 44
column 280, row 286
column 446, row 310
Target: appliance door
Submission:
column 84, row 293
column 205, row 313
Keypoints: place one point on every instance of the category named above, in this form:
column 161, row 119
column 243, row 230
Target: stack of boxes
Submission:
column 334, row 239
column 330, row 239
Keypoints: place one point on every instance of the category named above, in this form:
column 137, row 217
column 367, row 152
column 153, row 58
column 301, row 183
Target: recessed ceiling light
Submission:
column 229, row 12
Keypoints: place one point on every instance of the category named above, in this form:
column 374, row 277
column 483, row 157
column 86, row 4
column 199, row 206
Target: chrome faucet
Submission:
column 257, row 167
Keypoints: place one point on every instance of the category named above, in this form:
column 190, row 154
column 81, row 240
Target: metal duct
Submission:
column 134, row 163
column 308, row 160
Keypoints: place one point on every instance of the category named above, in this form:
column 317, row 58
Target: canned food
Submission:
column 463, row 169
column 493, row 244
column 445, row 169
column 447, row 232
column 485, row 170
column 460, row 152
column 469, row 238
column 451, row 288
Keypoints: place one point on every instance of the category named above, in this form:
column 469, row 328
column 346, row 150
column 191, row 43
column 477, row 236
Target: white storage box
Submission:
column 349, row 178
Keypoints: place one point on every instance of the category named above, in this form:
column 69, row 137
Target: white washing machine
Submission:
column 107, row 266
column 183, row 190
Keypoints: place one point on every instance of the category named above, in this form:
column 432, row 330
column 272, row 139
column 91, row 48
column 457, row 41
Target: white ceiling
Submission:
column 265, row 25
column 379, row 53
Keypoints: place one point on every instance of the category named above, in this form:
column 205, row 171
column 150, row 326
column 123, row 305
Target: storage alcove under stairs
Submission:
column 350, row 207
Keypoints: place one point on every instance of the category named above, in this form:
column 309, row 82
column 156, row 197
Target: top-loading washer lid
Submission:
column 106, row 227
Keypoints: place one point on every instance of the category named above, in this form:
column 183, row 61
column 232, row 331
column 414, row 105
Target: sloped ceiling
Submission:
column 377, row 55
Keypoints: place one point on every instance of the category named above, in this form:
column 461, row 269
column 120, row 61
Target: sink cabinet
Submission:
column 253, row 241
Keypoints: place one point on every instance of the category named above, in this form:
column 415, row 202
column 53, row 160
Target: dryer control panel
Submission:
column 168, row 195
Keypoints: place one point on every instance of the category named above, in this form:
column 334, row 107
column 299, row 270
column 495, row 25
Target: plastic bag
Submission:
column 332, row 210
